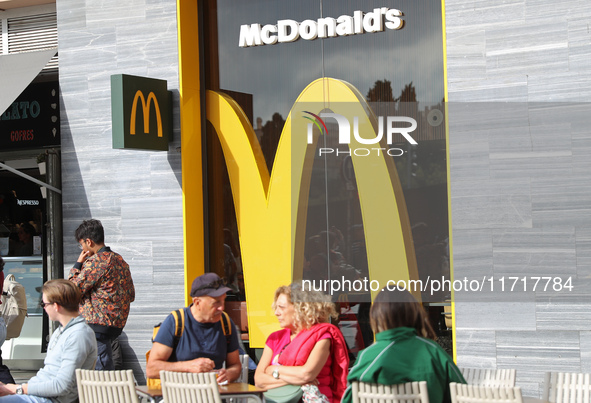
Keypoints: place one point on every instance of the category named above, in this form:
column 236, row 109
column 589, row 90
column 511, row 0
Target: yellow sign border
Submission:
column 192, row 164
column 192, row 170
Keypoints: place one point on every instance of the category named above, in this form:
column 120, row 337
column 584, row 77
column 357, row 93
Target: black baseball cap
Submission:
column 209, row 284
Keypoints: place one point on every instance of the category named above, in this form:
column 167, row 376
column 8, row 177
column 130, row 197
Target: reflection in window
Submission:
column 400, row 73
column 29, row 273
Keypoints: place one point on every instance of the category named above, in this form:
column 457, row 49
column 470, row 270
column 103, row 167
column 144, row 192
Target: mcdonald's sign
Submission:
column 141, row 112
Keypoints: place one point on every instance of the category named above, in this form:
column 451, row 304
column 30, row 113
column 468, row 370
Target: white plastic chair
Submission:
column 461, row 393
column 184, row 387
column 106, row 386
column 411, row 392
column 489, row 377
column 562, row 387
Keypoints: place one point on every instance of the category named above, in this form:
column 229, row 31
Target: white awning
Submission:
column 17, row 70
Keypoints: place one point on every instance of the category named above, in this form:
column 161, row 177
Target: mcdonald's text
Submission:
column 290, row 30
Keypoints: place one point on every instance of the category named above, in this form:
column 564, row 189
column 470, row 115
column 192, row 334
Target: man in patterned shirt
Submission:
column 107, row 288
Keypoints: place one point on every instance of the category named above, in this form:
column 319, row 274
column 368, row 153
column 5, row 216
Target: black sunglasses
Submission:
column 214, row 285
column 44, row 304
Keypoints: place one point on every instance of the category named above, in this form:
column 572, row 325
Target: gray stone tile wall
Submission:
column 136, row 194
column 520, row 182
column 519, row 189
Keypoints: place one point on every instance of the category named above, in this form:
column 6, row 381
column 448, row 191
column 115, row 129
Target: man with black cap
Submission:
column 203, row 346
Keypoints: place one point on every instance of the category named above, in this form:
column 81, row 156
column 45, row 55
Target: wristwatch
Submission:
column 19, row 390
column 276, row 373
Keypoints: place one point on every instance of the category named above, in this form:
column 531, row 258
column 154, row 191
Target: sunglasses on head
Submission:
column 214, row 285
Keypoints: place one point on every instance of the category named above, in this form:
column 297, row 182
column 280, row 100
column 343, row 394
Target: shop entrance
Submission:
column 30, row 209
column 27, row 226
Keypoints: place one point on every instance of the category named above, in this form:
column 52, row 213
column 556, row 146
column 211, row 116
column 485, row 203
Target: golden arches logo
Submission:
column 271, row 209
column 139, row 96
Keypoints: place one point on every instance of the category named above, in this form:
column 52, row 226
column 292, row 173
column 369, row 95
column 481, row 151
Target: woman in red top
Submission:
column 308, row 350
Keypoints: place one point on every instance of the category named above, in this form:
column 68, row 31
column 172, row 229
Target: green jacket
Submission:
column 399, row 355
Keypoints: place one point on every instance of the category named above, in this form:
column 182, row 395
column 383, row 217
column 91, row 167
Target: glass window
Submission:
column 397, row 72
column 28, row 272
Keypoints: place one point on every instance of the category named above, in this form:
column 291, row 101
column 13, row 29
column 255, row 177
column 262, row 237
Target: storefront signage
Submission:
column 32, row 120
column 141, row 112
column 290, row 30
column 27, row 202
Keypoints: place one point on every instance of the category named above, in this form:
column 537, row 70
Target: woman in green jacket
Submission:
column 405, row 350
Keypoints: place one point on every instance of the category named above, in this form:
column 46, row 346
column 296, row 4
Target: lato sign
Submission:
column 22, row 110
column 32, row 120
column 290, row 31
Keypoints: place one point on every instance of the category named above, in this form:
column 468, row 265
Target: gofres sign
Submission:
column 290, row 30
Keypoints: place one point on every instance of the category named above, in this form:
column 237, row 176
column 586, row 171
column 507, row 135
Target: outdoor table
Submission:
column 231, row 390
column 533, row 400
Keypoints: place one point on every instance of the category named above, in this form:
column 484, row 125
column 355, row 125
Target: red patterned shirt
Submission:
column 107, row 288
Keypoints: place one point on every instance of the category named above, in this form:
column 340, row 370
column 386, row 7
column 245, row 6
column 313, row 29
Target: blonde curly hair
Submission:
column 311, row 307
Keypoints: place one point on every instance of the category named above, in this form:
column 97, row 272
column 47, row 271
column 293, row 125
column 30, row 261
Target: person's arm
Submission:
column 454, row 373
column 159, row 355
column 233, row 368
column 263, row 380
column 348, row 396
column 10, row 389
column 88, row 275
column 162, row 349
column 75, row 270
column 74, row 351
column 308, row 372
column 7, row 389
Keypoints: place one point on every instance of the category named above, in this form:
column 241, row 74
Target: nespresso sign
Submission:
column 27, row 202
column 32, row 120
column 377, row 20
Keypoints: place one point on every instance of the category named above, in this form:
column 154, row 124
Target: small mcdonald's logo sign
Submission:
column 141, row 110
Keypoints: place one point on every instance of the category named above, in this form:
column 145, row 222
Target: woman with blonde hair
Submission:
column 405, row 350
column 307, row 352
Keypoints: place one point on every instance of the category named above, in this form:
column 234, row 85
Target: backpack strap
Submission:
column 179, row 322
column 179, row 325
column 226, row 326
